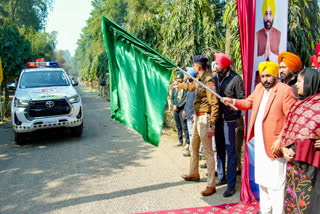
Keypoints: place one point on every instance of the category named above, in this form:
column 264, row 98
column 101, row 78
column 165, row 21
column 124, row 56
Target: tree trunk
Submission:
column 227, row 50
column 13, row 10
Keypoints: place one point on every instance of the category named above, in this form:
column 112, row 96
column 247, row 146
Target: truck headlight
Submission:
column 74, row 99
column 20, row 103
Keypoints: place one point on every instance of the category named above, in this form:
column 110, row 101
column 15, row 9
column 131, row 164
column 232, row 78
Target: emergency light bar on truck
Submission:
column 42, row 64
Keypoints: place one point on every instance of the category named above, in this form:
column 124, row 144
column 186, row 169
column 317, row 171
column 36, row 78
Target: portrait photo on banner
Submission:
column 270, row 33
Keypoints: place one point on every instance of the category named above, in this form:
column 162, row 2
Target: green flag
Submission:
column 139, row 81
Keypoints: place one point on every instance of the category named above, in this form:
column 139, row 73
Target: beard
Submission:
column 285, row 77
column 267, row 84
column 268, row 25
column 219, row 71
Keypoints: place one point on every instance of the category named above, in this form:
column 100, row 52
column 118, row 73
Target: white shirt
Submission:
column 269, row 172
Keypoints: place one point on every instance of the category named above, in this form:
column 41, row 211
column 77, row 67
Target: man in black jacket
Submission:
column 229, row 84
column 178, row 100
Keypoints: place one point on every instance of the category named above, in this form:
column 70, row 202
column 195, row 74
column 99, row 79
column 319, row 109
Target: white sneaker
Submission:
column 186, row 147
column 178, row 144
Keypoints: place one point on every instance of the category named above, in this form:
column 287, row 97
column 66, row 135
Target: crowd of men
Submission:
column 208, row 116
column 200, row 105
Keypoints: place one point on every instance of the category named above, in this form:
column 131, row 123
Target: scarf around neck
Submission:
column 303, row 121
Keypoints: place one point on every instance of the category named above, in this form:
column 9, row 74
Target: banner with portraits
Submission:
column 263, row 28
column 271, row 28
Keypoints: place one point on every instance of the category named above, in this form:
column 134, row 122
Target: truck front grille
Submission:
column 45, row 108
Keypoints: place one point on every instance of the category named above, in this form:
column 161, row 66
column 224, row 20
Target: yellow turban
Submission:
column 291, row 60
column 271, row 67
column 266, row 4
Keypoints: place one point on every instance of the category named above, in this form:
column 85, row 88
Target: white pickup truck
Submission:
column 45, row 98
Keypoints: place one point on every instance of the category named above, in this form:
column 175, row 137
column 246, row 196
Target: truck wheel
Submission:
column 19, row 138
column 77, row 131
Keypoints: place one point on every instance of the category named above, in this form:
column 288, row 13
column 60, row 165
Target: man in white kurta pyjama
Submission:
column 270, row 103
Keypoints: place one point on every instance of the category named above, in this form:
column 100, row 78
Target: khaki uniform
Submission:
column 206, row 106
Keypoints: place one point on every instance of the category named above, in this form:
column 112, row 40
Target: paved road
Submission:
column 108, row 170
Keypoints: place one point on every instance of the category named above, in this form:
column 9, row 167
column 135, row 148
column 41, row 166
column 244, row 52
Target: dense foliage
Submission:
column 15, row 50
column 26, row 13
column 22, row 23
column 192, row 29
column 303, row 29
column 179, row 29
column 21, row 36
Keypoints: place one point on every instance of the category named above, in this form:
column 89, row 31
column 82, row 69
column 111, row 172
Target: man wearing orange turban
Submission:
column 268, row 37
column 270, row 103
column 290, row 66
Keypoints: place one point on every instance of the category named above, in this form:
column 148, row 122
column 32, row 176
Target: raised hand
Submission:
column 174, row 85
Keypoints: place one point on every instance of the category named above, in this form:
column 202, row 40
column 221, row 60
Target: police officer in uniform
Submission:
column 206, row 106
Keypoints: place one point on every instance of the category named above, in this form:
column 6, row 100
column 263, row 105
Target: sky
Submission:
column 68, row 18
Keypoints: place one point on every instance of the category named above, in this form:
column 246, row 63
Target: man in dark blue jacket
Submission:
column 178, row 101
column 188, row 111
column 229, row 84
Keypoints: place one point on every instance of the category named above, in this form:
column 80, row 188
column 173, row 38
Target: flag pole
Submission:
column 215, row 93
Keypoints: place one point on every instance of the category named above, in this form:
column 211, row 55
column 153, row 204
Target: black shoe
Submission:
column 187, row 154
column 221, row 182
column 203, row 166
column 229, row 192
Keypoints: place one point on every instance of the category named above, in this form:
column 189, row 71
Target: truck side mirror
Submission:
column 11, row 86
column 75, row 82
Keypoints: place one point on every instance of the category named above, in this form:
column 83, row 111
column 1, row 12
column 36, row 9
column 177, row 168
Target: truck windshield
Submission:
column 35, row 79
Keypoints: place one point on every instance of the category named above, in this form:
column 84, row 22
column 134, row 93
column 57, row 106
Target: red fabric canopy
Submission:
column 246, row 17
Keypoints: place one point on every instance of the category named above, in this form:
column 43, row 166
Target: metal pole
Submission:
column 219, row 97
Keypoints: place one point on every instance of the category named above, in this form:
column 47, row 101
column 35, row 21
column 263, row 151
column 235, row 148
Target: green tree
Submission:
column 90, row 44
column 102, row 67
column 20, row 36
column 191, row 29
column 145, row 18
column 303, row 29
column 3, row 13
column 14, row 53
column 64, row 60
column 230, row 18
column 26, row 13
column 42, row 43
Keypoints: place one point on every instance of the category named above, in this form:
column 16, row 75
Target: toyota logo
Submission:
column 49, row 104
